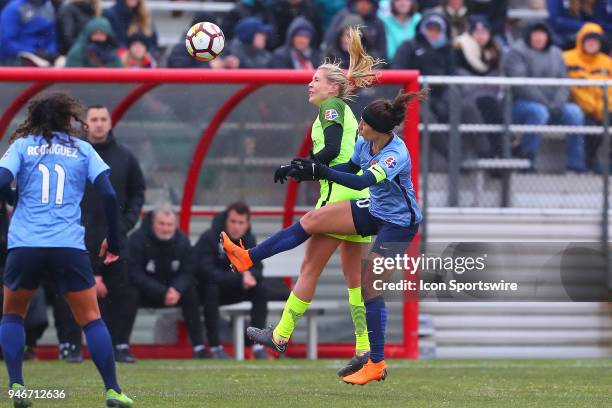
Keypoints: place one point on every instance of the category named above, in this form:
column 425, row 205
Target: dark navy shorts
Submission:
column 69, row 268
column 391, row 239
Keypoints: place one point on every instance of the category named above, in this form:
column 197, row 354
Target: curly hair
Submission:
column 51, row 112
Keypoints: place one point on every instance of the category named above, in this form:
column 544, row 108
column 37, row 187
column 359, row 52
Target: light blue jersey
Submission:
column 51, row 182
column 392, row 198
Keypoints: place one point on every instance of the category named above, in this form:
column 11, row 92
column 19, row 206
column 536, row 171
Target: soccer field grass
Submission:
column 292, row 383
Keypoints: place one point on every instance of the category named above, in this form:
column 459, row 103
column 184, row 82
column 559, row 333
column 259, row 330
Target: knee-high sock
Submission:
column 294, row 309
column 376, row 318
column 281, row 241
column 12, row 338
column 101, row 350
column 358, row 314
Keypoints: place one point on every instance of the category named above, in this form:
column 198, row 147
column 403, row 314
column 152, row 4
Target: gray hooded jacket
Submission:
column 524, row 61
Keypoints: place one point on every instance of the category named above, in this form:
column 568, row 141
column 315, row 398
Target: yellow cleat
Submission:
column 238, row 255
column 369, row 372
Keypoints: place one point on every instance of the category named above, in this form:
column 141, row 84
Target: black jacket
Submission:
column 71, row 19
column 288, row 57
column 212, row 266
column 128, row 182
column 249, row 56
column 243, row 9
column 496, row 11
column 419, row 54
column 156, row 265
column 284, row 14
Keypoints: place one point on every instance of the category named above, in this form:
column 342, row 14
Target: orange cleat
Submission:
column 238, row 255
column 369, row 372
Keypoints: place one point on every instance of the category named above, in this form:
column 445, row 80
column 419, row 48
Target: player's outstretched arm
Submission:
column 352, row 181
column 110, row 246
column 313, row 170
column 348, row 167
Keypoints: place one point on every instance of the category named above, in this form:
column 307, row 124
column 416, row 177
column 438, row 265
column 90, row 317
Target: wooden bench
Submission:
column 239, row 311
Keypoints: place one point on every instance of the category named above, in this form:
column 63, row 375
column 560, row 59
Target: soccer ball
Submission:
column 204, row 41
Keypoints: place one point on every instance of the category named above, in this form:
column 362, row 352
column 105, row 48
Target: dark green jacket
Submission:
column 85, row 53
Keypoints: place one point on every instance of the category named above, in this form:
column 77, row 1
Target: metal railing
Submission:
column 454, row 128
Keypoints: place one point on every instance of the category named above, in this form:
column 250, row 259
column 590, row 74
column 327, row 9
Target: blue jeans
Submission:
column 534, row 113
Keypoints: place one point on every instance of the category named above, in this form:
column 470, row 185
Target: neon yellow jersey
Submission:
column 336, row 111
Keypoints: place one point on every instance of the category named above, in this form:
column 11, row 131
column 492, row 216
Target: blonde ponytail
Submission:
column 361, row 65
column 361, row 72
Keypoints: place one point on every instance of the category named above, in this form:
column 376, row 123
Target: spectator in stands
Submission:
column 337, row 48
column 328, row 10
column 95, row 47
column 285, row 11
column 137, row 55
column 456, row 13
column 130, row 16
column 586, row 61
column 249, row 45
column 72, row 18
column 375, row 39
column 401, row 25
column 27, row 33
column 219, row 285
column 431, row 53
column 250, row 8
column 477, row 54
column 496, row 12
column 297, row 53
column 567, row 16
column 536, row 57
column 161, row 268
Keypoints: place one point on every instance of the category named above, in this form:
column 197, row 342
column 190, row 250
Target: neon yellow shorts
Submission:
column 332, row 193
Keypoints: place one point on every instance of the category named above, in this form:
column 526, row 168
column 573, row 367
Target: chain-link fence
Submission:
column 479, row 149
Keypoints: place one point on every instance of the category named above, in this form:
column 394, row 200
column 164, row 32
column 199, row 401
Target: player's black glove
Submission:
column 282, row 172
column 309, row 169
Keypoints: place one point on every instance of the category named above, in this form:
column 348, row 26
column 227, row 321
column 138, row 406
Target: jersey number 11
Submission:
column 46, row 177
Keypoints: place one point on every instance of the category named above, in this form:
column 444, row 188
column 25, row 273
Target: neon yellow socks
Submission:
column 294, row 309
column 358, row 314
